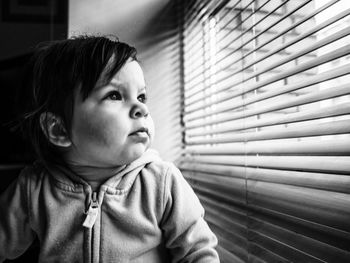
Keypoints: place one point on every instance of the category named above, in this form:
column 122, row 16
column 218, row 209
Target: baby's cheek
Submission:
column 95, row 131
column 151, row 129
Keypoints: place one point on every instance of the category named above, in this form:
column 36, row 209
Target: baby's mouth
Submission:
column 142, row 132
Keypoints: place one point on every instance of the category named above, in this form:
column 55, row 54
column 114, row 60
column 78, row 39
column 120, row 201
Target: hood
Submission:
column 118, row 183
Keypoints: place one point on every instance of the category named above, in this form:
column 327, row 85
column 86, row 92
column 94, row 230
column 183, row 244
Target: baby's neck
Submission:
column 95, row 176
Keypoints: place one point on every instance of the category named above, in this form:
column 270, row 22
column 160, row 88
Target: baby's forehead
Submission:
column 122, row 77
column 129, row 76
column 81, row 95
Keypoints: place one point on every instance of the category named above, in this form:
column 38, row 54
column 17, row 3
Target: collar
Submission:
column 120, row 182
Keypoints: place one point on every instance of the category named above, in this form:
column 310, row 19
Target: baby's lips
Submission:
column 142, row 129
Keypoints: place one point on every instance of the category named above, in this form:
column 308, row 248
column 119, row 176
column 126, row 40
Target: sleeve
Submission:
column 187, row 235
column 16, row 234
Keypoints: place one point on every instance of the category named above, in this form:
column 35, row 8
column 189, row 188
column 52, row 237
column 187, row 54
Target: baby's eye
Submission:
column 114, row 95
column 142, row 98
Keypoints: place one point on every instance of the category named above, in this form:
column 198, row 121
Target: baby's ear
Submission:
column 54, row 129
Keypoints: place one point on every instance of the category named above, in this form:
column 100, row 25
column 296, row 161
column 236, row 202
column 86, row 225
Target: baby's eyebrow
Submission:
column 102, row 84
column 117, row 85
column 120, row 86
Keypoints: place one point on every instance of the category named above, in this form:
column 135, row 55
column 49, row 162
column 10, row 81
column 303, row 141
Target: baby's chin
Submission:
column 136, row 154
column 129, row 156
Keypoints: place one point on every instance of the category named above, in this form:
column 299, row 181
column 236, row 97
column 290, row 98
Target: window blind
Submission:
column 266, row 116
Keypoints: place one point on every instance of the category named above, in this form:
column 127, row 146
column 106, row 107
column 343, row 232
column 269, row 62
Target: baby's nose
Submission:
column 138, row 111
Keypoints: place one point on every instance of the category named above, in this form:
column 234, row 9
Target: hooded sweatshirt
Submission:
column 147, row 213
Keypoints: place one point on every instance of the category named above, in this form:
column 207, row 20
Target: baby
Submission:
column 97, row 192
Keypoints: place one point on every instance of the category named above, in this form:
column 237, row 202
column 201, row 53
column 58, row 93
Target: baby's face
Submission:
column 112, row 126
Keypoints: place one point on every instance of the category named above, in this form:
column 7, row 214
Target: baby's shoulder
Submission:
column 162, row 174
column 160, row 168
column 32, row 173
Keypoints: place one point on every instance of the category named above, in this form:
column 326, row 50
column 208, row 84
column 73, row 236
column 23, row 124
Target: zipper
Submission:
column 92, row 213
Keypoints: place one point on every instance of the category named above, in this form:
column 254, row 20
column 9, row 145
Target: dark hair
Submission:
column 56, row 70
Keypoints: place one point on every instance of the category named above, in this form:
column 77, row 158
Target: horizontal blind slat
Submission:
column 324, row 181
column 321, row 129
column 320, row 147
column 330, row 111
column 332, row 164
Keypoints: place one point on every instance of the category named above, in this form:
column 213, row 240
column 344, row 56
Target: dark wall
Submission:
column 14, row 149
column 23, row 24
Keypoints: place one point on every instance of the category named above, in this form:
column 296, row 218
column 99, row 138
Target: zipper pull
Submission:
column 92, row 213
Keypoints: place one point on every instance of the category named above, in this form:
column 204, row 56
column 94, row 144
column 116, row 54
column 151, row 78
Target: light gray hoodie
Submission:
column 145, row 213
